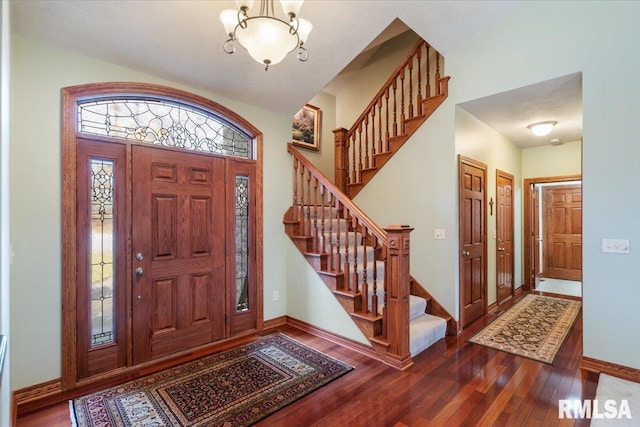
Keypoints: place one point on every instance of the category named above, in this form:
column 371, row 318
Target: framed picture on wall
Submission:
column 306, row 128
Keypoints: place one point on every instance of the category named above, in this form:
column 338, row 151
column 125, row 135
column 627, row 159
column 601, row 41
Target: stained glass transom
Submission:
column 242, row 243
column 102, row 250
column 163, row 123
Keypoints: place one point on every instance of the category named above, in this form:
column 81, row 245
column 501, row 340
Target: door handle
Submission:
column 465, row 253
column 139, row 271
column 139, row 256
column 501, row 249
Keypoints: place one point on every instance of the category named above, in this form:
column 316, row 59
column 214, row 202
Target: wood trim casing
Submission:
column 70, row 96
column 527, row 218
column 330, row 336
column 602, row 367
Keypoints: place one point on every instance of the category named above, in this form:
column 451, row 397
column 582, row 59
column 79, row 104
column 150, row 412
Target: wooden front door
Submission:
column 504, row 236
column 473, row 250
column 563, row 229
column 178, row 251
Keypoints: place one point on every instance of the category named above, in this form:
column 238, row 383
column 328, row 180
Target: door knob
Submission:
column 465, row 253
column 139, row 256
column 139, row 271
column 501, row 249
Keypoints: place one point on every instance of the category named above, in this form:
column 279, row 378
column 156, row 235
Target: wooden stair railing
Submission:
column 344, row 245
column 412, row 93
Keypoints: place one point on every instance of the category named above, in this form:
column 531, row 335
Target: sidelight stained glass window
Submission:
column 164, row 123
column 102, row 250
column 242, row 243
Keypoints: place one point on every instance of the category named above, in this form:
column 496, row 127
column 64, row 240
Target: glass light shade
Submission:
column 244, row 3
column 266, row 39
column 542, row 128
column 229, row 18
column 304, row 28
column 291, row 6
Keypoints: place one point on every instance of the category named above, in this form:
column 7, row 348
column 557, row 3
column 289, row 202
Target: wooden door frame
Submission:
column 528, row 224
column 471, row 162
column 507, row 175
column 71, row 96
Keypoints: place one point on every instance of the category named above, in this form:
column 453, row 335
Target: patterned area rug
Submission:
column 234, row 388
column 535, row 327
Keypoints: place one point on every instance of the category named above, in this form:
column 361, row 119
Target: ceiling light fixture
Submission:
column 267, row 39
column 542, row 128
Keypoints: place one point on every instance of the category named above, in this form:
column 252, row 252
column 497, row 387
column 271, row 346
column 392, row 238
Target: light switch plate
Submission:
column 615, row 246
column 438, row 233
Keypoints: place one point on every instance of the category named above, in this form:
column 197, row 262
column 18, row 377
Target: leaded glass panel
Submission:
column 102, row 251
column 242, row 243
column 162, row 123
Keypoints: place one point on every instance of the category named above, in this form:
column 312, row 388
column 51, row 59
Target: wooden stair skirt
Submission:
column 355, row 274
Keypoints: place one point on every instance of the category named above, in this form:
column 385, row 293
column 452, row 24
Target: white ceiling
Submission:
column 509, row 113
column 181, row 40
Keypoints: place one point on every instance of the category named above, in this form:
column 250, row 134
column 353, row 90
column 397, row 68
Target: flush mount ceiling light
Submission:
column 542, row 128
column 267, row 39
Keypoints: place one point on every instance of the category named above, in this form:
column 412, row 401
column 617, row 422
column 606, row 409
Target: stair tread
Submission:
column 385, row 153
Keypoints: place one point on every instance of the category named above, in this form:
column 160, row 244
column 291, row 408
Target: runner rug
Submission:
column 535, row 327
column 234, row 388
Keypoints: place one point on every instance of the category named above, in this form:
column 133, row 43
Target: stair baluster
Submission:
column 295, row 188
column 364, row 289
column 374, row 296
column 380, row 149
column 402, row 112
column 387, row 134
column 315, row 235
column 428, row 63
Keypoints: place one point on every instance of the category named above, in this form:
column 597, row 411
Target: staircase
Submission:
column 410, row 95
column 367, row 267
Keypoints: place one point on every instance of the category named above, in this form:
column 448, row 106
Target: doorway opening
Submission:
column 553, row 235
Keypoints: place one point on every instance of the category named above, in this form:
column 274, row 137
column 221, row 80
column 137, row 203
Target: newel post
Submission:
column 341, row 157
column 397, row 295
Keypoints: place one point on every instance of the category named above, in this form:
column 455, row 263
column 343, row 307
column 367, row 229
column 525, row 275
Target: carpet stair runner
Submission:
column 425, row 328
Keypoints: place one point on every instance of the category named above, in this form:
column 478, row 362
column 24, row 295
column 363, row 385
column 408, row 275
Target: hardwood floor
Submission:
column 453, row 383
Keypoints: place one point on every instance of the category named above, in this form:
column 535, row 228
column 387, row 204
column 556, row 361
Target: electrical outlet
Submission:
column 438, row 233
column 276, row 295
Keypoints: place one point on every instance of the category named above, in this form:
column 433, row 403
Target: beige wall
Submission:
column 359, row 87
column 552, row 160
column 5, row 246
column 38, row 74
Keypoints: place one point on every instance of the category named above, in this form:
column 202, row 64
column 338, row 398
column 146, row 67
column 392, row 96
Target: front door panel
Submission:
column 178, row 248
